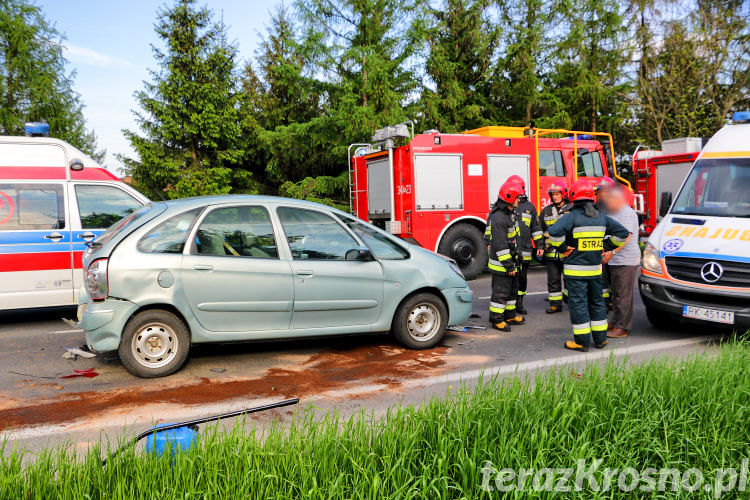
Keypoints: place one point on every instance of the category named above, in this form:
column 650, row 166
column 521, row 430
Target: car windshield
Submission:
column 716, row 186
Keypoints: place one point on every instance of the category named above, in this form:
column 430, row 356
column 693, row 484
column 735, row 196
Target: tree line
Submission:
column 327, row 73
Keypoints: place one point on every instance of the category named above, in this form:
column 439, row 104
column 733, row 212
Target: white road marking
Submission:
column 527, row 293
column 77, row 330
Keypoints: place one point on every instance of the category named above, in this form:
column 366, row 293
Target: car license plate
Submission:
column 707, row 314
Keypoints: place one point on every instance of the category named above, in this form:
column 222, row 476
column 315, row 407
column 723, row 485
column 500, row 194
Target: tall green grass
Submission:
column 683, row 414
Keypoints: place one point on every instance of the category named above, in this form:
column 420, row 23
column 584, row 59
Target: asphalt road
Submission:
column 370, row 372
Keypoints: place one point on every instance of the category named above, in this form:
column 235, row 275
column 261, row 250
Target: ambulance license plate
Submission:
column 707, row 314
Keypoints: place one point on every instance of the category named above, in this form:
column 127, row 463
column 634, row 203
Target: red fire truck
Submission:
column 436, row 189
column 659, row 174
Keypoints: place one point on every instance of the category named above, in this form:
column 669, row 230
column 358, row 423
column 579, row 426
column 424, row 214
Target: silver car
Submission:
column 241, row 268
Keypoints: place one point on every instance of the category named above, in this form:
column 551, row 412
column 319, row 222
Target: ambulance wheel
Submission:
column 420, row 320
column 155, row 343
column 465, row 244
column 661, row 320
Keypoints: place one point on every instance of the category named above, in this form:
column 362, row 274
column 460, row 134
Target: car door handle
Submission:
column 305, row 272
column 87, row 236
column 203, row 267
column 54, row 236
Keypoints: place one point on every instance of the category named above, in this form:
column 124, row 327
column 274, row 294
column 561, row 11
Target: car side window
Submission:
column 243, row 231
column 378, row 243
column 31, row 206
column 314, row 236
column 102, row 206
column 170, row 235
column 551, row 163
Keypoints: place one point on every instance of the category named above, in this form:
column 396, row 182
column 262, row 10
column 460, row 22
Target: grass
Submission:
column 666, row 413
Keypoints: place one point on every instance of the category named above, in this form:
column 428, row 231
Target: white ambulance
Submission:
column 53, row 200
column 696, row 264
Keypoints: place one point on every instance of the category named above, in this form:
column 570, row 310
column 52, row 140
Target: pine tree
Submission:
column 190, row 110
column 34, row 83
column 461, row 41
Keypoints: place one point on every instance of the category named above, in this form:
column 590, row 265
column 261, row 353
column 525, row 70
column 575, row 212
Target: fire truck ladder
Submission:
column 353, row 173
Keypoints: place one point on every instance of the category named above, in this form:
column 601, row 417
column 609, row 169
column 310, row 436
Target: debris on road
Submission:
column 475, row 327
column 88, row 373
column 30, row 375
column 218, row 370
column 456, row 328
column 73, row 352
column 467, row 342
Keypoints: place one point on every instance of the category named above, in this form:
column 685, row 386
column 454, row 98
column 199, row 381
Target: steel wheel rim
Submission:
column 154, row 345
column 423, row 322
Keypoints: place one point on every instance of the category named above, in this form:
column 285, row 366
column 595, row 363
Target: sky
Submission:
column 108, row 45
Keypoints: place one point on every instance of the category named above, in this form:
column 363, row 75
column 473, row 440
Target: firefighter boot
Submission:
column 555, row 306
column 516, row 320
column 519, row 305
column 575, row 346
column 503, row 326
column 602, row 345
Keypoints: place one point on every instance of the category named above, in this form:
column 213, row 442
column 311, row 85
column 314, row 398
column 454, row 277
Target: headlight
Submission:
column 650, row 259
column 96, row 279
column 456, row 269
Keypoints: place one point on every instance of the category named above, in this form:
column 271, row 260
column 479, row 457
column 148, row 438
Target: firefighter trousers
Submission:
column 503, row 297
column 555, row 281
column 523, row 279
column 606, row 292
column 588, row 314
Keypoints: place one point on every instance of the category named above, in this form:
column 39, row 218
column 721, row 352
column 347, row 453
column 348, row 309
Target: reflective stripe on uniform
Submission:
column 556, row 241
column 488, row 231
column 589, row 231
column 496, row 307
column 618, row 242
column 526, row 219
column 503, row 254
column 495, row 265
column 520, row 292
column 537, row 235
column 605, row 292
column 582, row 329
column 551, row 254
column 514, row 232
column 573, row 270
column 554, row 295
column 599, row 325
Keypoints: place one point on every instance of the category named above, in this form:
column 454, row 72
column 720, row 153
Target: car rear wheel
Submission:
column 155, row 343
column 465, row 244
column 420, row 320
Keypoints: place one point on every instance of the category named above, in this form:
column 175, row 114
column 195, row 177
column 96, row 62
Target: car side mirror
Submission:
column 665, row 203
column 361, row 253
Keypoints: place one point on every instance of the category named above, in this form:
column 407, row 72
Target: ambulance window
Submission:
column 31, row 206
column 102, row 206
column 551, row 163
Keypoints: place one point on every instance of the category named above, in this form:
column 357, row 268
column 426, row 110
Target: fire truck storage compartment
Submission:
column 438, row 181
column 378, row 188
column 500, row 167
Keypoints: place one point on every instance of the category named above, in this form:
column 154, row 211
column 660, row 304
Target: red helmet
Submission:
column 582, row 190
column 558, row 187
column 518, row 180
column 606, row 183
column 510, row 191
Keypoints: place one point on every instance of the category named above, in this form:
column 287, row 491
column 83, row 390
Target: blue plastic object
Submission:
column 36, row 129
column 741, row 116
column 180, row 438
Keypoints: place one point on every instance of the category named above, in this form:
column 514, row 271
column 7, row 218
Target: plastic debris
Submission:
column 218, row 370
column 456, row 328
column 72, row 352
column 88, row 373
column 467, row 342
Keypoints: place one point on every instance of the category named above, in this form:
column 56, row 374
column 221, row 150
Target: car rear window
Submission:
column 131, row 221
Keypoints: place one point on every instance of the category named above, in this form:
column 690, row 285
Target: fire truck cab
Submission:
column 436, row 189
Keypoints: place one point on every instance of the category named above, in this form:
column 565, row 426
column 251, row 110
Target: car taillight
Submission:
column 96, row 279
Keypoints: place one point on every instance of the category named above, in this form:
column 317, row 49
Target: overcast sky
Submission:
column 108, row 45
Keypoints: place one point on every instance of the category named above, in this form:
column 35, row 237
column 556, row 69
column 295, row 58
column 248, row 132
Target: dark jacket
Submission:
column 530, row 228
column 502, row 234
column 550, row 214
column 586, row 235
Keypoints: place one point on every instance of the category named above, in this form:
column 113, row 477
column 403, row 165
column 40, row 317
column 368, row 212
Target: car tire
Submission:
column 420, row 321
column 465, row 244
column 155, row 343
column 662, row 320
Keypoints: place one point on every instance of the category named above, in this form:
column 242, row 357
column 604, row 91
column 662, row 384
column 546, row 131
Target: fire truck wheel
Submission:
column 419, row 322
column 465, row 244
column 155, row 343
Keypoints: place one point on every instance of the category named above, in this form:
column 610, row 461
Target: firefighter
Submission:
column 503, row 232
column 606, row 184
column 531, row 237
column 579, row 236
column 559, row 206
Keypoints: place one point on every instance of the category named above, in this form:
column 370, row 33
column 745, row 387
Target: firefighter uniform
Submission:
column 530, row 237
column 583, row 230
column 552, row 258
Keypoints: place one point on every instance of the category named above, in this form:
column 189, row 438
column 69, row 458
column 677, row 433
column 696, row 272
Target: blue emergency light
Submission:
column 36, row 129
column 741, row 117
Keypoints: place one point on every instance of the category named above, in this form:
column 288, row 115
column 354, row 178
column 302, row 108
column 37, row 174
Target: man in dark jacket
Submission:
column 579, row 236
column 559, row 206
column 502, row 232
column 530, row 238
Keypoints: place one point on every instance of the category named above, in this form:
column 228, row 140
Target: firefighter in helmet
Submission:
column 530, row 238
column 580, row 236
column 502, row 232
column 558, row 206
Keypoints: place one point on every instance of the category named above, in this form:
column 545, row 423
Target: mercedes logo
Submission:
column 711, row 272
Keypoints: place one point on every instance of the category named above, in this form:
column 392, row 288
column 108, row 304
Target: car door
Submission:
column 329, row 290
column 232, row 275
column 35, row 246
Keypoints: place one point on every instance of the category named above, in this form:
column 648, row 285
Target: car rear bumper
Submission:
column 670, row 297
column 459, row 302
column 104, row 321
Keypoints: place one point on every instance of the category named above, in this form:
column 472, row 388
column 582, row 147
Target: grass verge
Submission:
column 685, row 414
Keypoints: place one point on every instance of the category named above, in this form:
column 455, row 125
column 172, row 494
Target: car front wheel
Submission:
column 155, row 343
column 420, row 320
